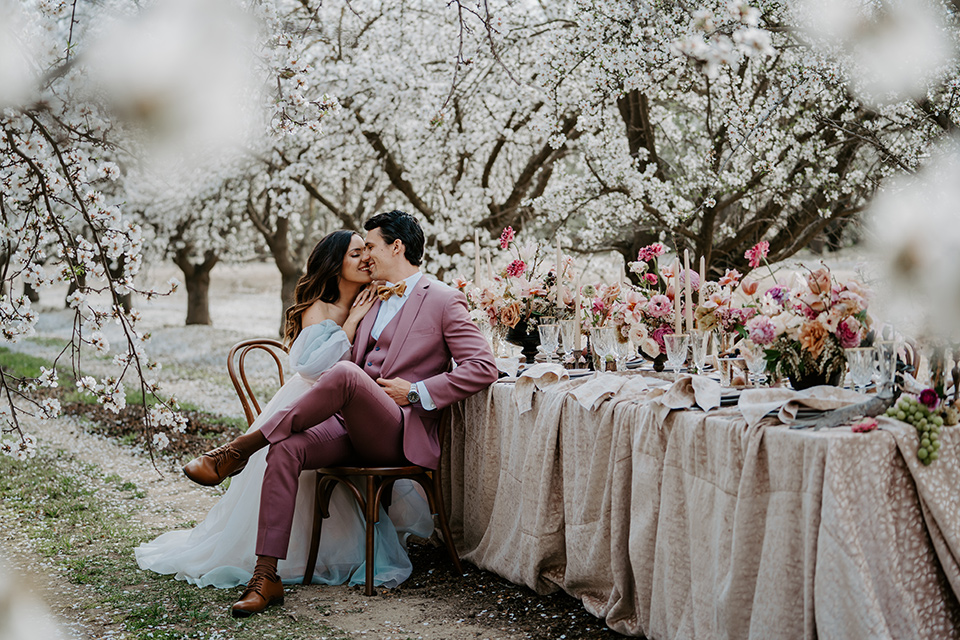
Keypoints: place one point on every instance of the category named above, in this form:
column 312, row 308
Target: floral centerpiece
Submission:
column 805, row 331
column 513, row 301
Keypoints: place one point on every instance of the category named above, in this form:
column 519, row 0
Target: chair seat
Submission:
column 372, row 471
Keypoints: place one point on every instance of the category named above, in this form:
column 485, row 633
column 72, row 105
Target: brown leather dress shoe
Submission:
column 262, row 591
column 213, row 467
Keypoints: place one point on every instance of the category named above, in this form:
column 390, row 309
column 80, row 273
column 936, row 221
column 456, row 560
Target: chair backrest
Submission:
column 236, row 361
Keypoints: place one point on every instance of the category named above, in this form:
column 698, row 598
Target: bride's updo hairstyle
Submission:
column 320, row 282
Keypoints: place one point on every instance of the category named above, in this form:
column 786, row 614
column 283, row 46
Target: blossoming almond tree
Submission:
column 716, row 125
column 88, row 92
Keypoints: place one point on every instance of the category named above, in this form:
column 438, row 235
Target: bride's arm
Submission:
column 361, row 306
column 318, row 347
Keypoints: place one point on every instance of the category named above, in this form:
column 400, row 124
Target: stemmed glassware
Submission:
column 728, row 368
column 601, row 341
column 699, row 347
column 676, row 344
column 568, row 334
column 756, row 360
column 886, row 360
column 622, row 350
column 549, row 339
column 861, row 363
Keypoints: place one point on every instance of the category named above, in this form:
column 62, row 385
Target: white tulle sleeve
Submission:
column 317, row 348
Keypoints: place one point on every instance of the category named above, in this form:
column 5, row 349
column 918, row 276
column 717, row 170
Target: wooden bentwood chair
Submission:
column 377, row 482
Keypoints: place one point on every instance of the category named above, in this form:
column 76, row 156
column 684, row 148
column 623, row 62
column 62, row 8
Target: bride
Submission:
column 331, row 299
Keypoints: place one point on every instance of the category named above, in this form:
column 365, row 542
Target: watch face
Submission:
column 413, row 396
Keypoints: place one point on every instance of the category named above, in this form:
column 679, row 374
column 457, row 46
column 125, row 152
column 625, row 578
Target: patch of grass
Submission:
column 23, row 365
column 74, row 514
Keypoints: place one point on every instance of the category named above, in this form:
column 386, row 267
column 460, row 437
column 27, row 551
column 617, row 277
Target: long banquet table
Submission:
column 694, row 525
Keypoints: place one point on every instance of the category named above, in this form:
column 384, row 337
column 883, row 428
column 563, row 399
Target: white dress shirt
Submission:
column 389, row 308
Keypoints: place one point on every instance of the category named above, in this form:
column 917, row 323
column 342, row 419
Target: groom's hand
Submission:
column 397, row 389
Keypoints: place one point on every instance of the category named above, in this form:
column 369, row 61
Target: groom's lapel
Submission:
column 408, row 314
column 362, row 338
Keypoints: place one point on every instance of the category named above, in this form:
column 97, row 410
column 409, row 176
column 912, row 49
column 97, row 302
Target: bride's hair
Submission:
column 320, row 282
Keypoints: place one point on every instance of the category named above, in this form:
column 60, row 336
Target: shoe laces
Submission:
column 222, row 454
column 256, row 582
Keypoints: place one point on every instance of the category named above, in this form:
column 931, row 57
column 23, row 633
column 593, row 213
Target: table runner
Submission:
column 694, row 525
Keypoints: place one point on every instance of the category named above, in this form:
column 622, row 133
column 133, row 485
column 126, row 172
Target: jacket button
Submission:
column 369, row 364
column 377, row 349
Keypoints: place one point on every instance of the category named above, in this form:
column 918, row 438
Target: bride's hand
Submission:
column 363, row 303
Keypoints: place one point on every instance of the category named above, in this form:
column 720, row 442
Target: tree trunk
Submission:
column 197, row 280
column 79, row 281
column 126, row 300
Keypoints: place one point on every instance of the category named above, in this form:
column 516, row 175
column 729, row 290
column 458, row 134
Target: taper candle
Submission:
column 576, row 315
column 476, row 257
column 677, row 328
column 703, row 278
column 688, row 299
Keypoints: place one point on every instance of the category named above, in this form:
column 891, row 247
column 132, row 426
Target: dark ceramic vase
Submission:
column 527, row 340
column 815, row 379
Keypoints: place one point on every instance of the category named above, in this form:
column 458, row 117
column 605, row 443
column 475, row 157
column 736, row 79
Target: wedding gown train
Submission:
column 220, row 552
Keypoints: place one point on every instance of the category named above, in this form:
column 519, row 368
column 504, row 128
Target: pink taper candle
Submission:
column 677, row 327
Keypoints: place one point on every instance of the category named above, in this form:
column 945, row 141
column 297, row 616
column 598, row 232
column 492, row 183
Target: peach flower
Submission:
column 813, row 337
column 819, row 280
column 510, row 314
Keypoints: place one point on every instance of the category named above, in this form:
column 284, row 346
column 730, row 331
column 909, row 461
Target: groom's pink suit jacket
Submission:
column 432, row 327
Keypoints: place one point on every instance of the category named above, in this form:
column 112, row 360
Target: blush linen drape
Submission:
column 694, row 525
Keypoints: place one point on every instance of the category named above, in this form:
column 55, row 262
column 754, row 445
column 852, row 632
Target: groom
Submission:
column 381, row 408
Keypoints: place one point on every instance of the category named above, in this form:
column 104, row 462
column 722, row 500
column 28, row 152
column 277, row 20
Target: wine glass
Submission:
column 755, row 357
column 860, row 360
column 600, row 341
column 700, row 346
column 622, row 349
column 676, row 344
column 568, row 333
column 728, row 368
column 549, row 339
column 887, row 360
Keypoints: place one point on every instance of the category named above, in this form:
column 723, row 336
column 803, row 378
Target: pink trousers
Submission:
column 345, row 418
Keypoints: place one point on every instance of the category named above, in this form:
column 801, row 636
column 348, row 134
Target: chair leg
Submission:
column 371, row 518
column 314, row 539
column 444, row 525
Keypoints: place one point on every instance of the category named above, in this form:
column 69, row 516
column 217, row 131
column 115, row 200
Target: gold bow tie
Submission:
column 384, row 292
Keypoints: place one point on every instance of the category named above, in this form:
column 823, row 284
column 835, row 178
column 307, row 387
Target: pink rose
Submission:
column 516, row 268
column 929, row 399
column 762, row 330
column 658, row 334
column 659, row 306
column 848, row 332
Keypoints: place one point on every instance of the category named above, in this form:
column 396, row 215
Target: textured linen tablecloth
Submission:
column 694, row 525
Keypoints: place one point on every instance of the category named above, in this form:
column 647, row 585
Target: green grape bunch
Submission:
column 927, row 423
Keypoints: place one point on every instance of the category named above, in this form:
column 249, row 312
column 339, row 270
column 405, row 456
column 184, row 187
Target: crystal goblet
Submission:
column 676, row 345
column 549, row 339
column 568, row 334
column 755, row 358
column 700, row 347
column 860, row 360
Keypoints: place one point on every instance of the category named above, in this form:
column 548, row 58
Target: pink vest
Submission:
column 377, row 350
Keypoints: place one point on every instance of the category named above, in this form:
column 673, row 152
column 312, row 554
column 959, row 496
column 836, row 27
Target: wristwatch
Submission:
column 413, row 397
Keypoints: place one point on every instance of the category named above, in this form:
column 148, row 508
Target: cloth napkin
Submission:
column 687, row 391
column 754, row 404
column 539, row 376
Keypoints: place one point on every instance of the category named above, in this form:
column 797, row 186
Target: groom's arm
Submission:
column 476, row 368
